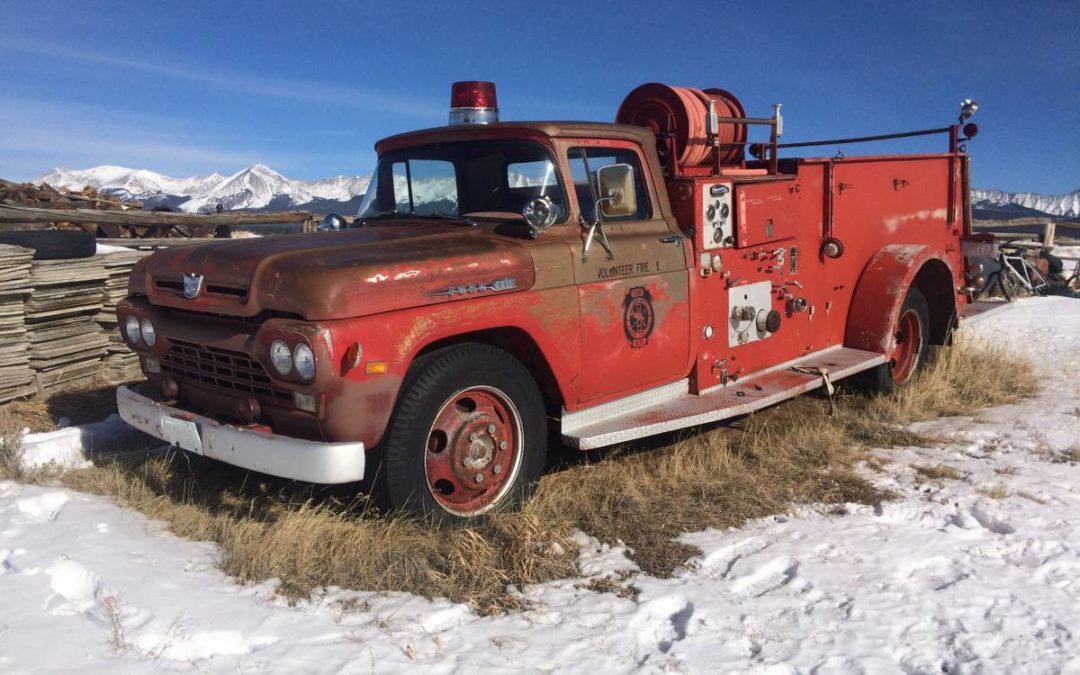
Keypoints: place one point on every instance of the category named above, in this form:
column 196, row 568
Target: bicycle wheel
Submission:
column 992, row 288
column 1010, row 284
column 1040, row 284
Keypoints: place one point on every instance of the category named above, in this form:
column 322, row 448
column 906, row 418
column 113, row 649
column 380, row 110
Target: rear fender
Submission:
column 880, row 291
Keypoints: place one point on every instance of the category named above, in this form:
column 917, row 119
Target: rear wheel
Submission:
column 469, row 436
column 911, row 339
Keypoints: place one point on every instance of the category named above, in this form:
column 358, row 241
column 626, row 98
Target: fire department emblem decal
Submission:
column 638, row 316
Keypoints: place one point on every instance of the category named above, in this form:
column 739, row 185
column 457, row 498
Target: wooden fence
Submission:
column 12, row 216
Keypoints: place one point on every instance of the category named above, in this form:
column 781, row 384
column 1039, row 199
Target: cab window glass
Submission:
column 400, row 176
column 434, row 187
column 594, row 159
column 490, row 178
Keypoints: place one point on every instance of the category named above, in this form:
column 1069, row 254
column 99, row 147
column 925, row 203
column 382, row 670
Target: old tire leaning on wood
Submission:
column 53, row 244
column 912, row 341
column 468, row 436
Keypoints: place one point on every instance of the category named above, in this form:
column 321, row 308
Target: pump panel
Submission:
column 716, row 215
column 748, row 307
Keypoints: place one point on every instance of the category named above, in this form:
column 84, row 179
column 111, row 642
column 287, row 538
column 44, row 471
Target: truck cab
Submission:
column 504, row 281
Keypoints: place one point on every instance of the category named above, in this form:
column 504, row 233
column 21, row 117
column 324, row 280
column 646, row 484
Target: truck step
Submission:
column 609, row 424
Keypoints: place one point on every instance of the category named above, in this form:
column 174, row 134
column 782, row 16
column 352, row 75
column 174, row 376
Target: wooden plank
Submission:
column 148, row 243
column 26, row 214
column 1011, row 222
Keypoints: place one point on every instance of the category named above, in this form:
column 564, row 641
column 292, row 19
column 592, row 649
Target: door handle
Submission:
column 672, row 239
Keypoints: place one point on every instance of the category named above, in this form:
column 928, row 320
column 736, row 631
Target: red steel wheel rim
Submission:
column 473, row 451
column 908, row 347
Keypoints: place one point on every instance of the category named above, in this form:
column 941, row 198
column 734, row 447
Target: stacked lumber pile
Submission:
column 66, row 342
column 16, row 377
column 47, row 197
column 121, row 364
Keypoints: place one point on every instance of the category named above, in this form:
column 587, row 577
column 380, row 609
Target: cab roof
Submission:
column 508, row 130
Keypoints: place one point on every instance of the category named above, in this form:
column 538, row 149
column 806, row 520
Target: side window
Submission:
column 400, row 177
column 594, row 158
column 424, row 186
column 434, row 186
column 539, row 175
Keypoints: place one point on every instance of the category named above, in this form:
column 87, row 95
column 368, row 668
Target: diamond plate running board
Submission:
column 737, row 398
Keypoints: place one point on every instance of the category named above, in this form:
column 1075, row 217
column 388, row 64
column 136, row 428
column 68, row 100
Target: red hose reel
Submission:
column 681, row 112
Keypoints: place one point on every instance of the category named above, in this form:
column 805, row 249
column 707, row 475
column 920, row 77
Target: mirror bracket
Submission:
column 597, row 227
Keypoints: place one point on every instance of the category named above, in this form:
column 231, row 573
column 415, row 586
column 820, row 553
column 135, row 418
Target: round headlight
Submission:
column 149, row 335
column 280, row 357
column 131, row 329
column 304, row 360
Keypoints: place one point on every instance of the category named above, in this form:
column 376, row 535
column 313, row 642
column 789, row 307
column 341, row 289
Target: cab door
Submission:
column 634, row 304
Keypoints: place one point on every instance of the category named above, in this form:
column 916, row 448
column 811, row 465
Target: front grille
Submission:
column 213, row 289
column 220, row 368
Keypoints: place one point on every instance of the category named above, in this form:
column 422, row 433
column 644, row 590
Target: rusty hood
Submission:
column 334, row 275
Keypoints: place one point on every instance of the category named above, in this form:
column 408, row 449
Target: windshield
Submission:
column 457, row 179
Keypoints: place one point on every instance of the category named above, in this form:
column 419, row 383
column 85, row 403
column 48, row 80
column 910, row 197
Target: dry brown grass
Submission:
column 961, row 380
column 996, row 491
column 936, row 472
column 11, row 457
column 82, row 402
column 642, row 496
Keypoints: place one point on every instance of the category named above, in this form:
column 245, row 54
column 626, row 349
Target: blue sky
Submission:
column 186, row 88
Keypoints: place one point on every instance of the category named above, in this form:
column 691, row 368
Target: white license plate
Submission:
column 182, row 433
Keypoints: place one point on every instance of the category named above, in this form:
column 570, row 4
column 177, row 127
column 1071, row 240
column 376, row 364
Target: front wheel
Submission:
column 469, row 436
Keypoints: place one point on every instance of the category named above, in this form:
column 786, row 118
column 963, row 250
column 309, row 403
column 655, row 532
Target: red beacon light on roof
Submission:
column 473, row 102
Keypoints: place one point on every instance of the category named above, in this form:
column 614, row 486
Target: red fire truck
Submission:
column 504, row 281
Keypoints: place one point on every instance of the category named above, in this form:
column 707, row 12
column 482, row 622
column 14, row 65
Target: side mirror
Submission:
column 332, row 222
column 618, row 197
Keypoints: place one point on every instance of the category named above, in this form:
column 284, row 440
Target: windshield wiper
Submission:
column 381, row 215
column 438, row 215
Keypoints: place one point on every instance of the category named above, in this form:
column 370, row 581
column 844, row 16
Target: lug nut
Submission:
column 479, row 478
column 502, row 445
column 496, row 469
column 491, row 428
column 472, row 436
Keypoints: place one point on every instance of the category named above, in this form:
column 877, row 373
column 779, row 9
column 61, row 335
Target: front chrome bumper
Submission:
column 273, row 454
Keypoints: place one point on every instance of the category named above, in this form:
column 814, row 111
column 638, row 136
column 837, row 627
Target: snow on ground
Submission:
column 980, row 574
column 71, row 447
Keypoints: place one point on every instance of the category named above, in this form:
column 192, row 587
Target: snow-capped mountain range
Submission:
column 1055, row 205
column 255, row 187
column 260, row 187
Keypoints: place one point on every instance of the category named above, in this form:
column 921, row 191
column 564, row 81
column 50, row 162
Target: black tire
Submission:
column 53, row 244
column 1010, row 286
column 880, row 379
column 454, row 376
column 995, row 287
